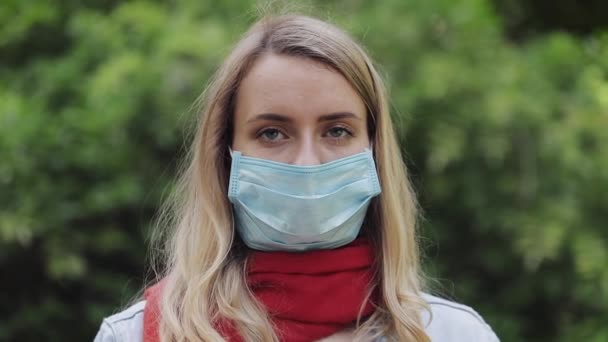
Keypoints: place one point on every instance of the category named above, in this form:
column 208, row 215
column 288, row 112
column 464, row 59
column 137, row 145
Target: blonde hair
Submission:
column 204, row 262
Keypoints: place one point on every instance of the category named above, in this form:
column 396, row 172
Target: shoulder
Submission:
column 126, row 325
column 447, row 322
column 451, row 322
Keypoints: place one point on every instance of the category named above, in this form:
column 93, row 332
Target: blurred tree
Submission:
column 505, row 143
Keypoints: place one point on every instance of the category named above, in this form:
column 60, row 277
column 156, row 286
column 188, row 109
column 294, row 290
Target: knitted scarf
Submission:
column 309, row 295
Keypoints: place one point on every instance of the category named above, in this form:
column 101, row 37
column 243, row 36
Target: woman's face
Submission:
column 298, row 111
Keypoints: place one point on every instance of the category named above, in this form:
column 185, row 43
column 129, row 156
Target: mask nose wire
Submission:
column 371, row 148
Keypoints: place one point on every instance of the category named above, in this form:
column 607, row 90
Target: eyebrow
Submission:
column 283, row 118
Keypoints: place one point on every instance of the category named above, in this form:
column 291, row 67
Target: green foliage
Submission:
column 505, row 143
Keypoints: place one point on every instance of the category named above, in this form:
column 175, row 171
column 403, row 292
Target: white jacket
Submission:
column 451, row 322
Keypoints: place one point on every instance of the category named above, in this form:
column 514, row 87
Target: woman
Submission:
column 293, row 219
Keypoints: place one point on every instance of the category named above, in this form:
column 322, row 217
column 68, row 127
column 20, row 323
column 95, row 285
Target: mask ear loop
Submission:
column 371, row 149
column 232, row 220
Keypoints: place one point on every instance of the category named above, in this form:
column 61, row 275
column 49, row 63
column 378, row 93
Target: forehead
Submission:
column 295, row 86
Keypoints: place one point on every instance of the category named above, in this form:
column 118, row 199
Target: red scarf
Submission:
column 309, row 295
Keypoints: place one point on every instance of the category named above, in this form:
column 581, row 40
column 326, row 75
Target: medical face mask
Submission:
column 283, row 207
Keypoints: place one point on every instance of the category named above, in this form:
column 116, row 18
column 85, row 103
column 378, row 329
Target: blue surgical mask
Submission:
column 283, row 207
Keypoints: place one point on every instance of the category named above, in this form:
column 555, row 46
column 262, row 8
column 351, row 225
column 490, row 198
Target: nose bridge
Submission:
column 307, row 152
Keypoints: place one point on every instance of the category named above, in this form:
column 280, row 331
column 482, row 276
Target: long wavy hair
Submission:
column 204, row 260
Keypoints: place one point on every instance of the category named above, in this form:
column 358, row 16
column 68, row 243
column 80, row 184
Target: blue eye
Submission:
column 270, row 134
column 338, row 132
